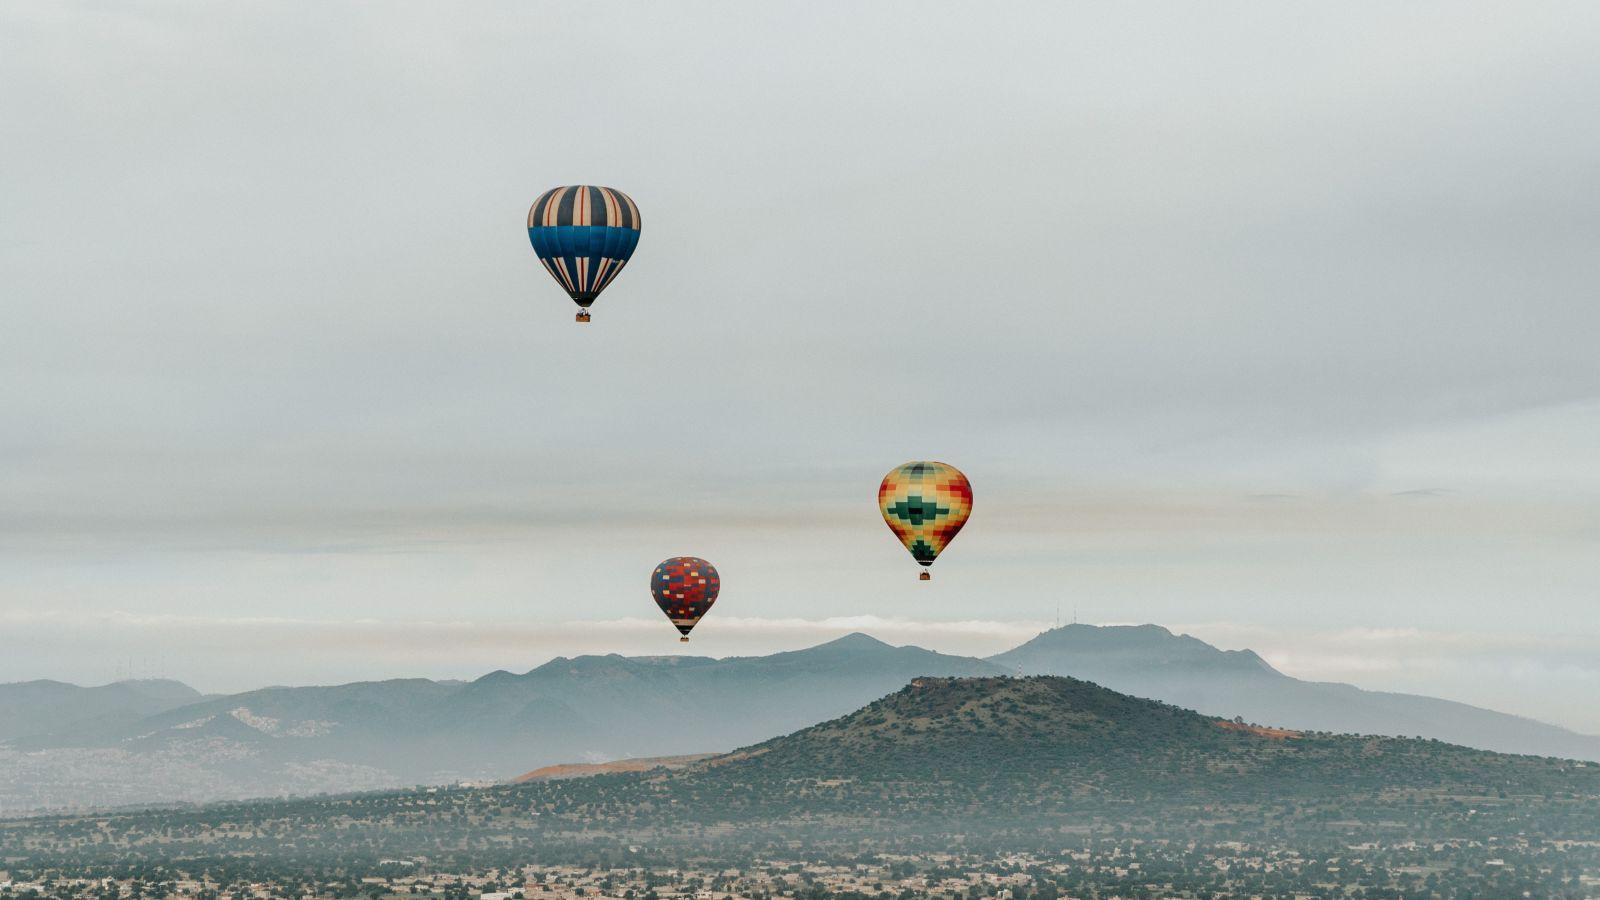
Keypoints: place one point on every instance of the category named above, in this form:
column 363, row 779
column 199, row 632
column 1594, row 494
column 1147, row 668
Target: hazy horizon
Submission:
column 1344, row 657
column 1278, row 322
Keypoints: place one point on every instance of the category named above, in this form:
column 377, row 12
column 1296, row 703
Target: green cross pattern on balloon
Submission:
column 916, row 510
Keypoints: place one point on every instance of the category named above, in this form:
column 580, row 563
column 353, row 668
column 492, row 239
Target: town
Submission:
column 1521, row 866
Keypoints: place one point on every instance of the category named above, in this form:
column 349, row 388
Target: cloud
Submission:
column 460, row 639
column 281, row 381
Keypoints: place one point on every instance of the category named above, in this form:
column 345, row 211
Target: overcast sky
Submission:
column 1275, row 323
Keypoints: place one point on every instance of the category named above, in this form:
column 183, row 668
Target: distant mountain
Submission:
column 974, row 763
column 1150, row 661
column 128, row 747
column 33, row 707
column 613, row 706
column 373, row 734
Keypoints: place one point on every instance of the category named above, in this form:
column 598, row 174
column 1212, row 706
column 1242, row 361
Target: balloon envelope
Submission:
column 684, row 588
column 583, row 235
column 925, row 504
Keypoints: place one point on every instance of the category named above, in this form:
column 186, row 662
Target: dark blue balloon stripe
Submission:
column 593, row 243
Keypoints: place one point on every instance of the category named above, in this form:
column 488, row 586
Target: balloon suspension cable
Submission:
column 924, row 576
column 684, row 639
column 583, row 315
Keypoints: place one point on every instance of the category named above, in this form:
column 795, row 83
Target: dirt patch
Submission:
column 584, row 770
column 1280, row 734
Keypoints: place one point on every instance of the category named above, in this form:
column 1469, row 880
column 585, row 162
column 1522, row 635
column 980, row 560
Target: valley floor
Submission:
column 1098, row 867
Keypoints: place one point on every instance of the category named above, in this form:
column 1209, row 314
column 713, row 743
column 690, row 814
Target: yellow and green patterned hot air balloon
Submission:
column 925, row 504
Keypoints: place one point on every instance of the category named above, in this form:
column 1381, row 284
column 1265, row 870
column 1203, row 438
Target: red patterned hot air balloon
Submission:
column 684, row 588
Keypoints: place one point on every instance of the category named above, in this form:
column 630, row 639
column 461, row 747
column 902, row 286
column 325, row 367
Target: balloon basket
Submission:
column 924, row 577
column 583, row 315
column 684, row 639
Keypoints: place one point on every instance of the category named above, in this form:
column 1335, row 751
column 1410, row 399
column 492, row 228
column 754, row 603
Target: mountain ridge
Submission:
column 590, row 708
column 594, row 708
column 1150, row 661
column 45, row 704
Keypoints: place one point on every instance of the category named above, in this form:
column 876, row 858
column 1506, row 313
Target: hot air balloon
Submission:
column 925, row 504
column 583, row 235
column 684, row 588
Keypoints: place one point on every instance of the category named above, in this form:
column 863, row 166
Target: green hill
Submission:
column 992, row 761
column 1008, row 752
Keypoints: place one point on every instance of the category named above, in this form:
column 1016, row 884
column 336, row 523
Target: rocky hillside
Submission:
column 997, row 762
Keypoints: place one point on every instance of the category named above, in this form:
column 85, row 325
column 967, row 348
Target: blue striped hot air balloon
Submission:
column 583, row 235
